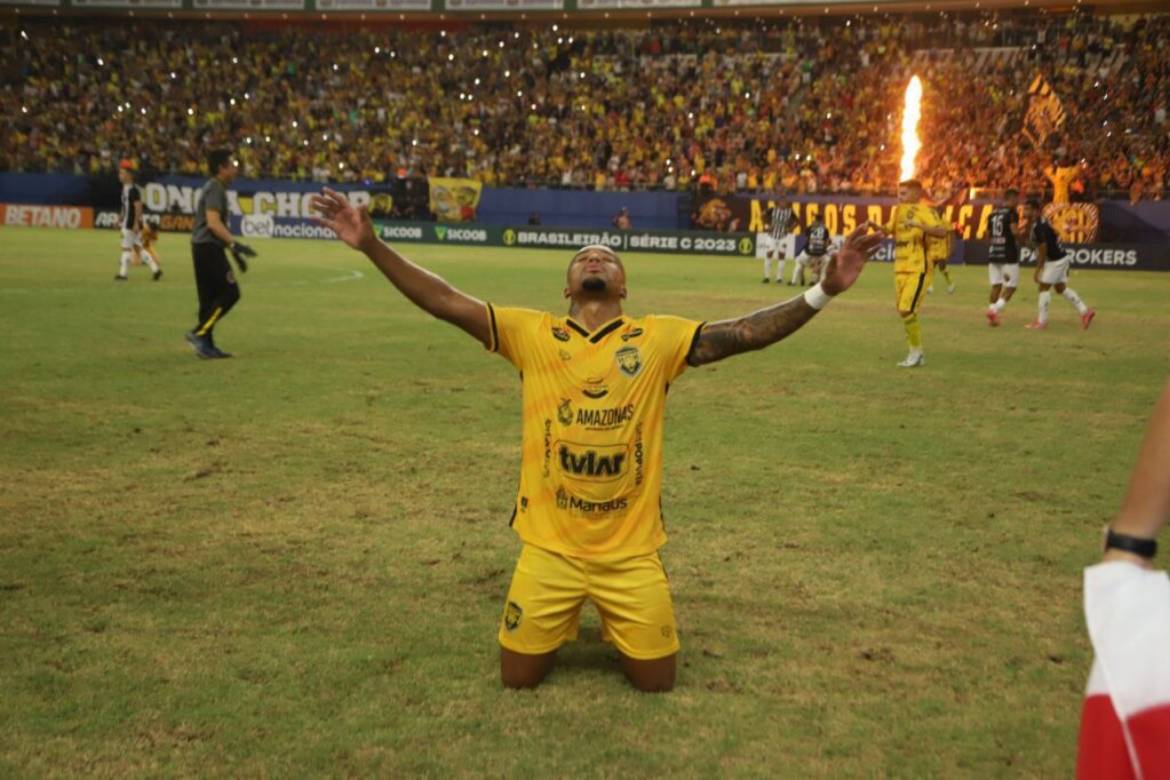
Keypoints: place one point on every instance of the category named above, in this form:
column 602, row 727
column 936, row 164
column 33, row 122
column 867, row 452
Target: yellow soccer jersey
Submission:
column 591, row 460
column 938, row 249
column 910, row 243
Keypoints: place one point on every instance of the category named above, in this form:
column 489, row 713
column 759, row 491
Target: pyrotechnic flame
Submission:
column 911, row 113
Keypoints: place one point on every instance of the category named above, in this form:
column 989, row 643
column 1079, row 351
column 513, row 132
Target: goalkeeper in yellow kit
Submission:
column 910, row 226
column 594, row 387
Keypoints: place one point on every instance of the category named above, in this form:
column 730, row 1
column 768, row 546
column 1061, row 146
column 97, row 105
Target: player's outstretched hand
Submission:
column 352, row 225
column 845, row 265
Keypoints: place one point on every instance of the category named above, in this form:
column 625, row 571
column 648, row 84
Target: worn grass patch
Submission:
column 292, row 562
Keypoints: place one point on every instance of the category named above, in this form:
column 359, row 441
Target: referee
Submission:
column 218, row 291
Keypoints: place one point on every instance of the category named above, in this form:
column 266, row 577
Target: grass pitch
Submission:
column 292, row 563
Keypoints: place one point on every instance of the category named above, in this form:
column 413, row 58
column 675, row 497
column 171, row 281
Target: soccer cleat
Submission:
column 993, row 318
column 930, row 290
column 1037, row 325
column 156, row 275
column 764, row 281
column 913, row 360
column 1087, row 318
column 201, row 344
column 216, row 352
column 120, row 278
column 950, row 289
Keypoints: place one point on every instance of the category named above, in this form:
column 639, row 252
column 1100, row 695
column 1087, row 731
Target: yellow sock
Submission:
column 913, row 331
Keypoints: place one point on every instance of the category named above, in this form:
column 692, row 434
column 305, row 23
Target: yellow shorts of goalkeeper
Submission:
column 632, row 595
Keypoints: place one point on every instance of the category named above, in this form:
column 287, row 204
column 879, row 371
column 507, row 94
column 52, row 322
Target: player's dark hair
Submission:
column 1010, row 191
column 911, row 183
column 217, row 159
column 1032, row 203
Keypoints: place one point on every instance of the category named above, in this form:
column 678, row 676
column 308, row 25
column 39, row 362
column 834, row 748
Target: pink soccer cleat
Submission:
column 1087, row 318
column 1036, row 325
column 993, row 318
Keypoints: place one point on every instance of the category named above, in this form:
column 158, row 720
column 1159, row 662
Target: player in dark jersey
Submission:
column 1003, row 255
column 130, row 222
column 1052, row 262
column 214, row 280
column 781, row 241
column 816, row 251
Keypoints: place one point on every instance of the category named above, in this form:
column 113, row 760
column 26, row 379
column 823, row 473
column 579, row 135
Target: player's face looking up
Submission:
column 596, row 271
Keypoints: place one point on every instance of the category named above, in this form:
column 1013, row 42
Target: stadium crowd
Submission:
column 812, row 105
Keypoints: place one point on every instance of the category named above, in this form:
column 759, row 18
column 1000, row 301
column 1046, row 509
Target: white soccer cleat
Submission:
column 950, row 289
column 913, row 360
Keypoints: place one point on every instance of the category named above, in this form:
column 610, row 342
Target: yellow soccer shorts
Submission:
column 632, row 595
column 909, row 290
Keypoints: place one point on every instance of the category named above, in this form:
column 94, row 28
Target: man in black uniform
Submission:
column 1051, row 269
column 130, row 221
column 815, row 253
column 218, row 291
column 1003, row 256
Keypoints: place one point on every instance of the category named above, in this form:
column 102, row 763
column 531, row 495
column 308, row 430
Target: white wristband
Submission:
column 816, row 297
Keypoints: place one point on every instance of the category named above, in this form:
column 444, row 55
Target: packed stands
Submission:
column 807, row 105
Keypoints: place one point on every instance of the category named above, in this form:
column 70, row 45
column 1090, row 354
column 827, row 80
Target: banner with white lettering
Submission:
column 69, row 217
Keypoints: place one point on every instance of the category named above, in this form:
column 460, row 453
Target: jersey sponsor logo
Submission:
column 559, row 333
column 639, row 455
column 565, row 412
column 547, row 448
column 633, row 334
column 629, row 360
column 592, row 463
column 563, row 355
column 595, row 387
column 567, row 501
column 600, row 419
column 513, row 614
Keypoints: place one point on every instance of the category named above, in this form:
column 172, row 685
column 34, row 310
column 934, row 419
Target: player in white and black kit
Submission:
column 130, row 221
column 1003, row 256
column 1051, row 269
column 816, row 251
column 781, row 240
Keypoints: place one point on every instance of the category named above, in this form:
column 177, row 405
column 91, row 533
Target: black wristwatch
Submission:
column 1146, row 548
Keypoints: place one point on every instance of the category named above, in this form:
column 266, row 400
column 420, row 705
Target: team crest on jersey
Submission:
column 633, row 334
column 512, row 616
column 629, row 360
column 565, row 412
column 559, row 333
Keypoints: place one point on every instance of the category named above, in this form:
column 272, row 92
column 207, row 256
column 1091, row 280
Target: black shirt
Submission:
column 818, row 240
column 1043, row 233
column 1003, row 241
column 130, row 195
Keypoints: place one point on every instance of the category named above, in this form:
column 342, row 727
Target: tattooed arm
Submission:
column 757, row 330
column 725, row 338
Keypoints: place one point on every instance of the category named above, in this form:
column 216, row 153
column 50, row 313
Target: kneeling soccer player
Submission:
column 594, row 385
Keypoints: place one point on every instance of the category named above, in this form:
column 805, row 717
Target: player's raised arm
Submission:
column 427, row 290
column 718, row 340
